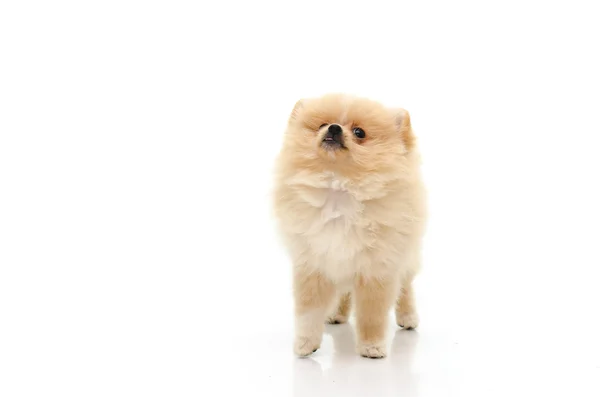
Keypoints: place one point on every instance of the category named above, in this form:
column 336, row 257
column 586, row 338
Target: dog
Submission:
column 350, row 207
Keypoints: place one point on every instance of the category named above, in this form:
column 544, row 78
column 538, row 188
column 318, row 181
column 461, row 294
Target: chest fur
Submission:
column 335, row 225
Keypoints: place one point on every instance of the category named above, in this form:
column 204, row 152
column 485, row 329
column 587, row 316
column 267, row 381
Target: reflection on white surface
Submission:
column 337, row 367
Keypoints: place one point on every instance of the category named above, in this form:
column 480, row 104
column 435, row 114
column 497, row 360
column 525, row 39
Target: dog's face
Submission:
column 346, row 134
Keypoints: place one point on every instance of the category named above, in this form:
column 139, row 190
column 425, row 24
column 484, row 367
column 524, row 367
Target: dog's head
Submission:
column 346, row 134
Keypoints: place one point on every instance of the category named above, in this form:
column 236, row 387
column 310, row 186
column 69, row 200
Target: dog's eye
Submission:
column 322, row 125
column 359, row 132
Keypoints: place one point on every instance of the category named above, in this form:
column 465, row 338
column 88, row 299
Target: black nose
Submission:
column 334, row 129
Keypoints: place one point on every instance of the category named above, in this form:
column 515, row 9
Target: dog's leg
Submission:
column 374, row 298
column 313, row 295
column 342, row 311
column 406, row 312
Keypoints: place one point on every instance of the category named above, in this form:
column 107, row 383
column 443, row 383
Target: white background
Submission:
column 137, row 252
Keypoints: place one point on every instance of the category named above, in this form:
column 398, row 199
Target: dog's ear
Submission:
column 296, row 110
column 403, row 126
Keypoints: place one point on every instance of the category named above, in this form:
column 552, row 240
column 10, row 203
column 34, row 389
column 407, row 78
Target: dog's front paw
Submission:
column 372, row 350
column 304, row 346
column 407, row 320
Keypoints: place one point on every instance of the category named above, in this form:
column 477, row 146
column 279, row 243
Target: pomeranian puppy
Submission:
column 349, row 202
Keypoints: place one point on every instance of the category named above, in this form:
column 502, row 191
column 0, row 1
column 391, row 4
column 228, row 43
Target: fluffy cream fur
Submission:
column 352, row 218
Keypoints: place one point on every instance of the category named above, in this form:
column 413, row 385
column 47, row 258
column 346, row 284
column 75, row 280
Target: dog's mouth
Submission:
column 333, row 142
